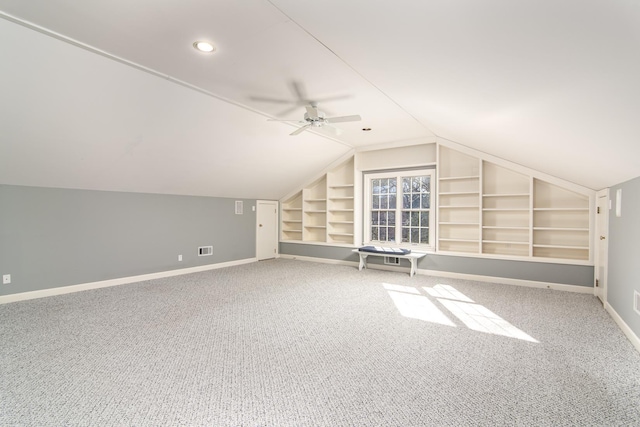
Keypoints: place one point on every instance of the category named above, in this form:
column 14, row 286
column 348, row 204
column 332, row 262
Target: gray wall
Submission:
column 624, row 253
column 579, row 275
column 58, row 237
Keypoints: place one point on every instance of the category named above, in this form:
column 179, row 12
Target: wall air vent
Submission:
column 205, row 250
column 636, row 301
column 391, row 260
column 239, row 207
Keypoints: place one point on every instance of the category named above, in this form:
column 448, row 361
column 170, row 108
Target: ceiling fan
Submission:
column 314, row 118
column 300, row 98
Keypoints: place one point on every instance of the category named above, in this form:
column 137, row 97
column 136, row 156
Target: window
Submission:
column 398, row 208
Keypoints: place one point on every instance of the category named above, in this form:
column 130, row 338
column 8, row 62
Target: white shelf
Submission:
column 459, row 240
column 496, row 227
column 461, row 193
column 560, row 229
column 292, row 209
column 342, row 186
column 457, row 178
column 340, row 198
column 505, row 209
column 341, row 210
column 315, row 200
column 561, row 209
column 315, row 226
column 561, row 246
column 506, row 242
column 316, row 211
column 475, row 224
column 507, row 195
column 340, row 222
column 459, row 207
column 291, row 220
column 341, row 234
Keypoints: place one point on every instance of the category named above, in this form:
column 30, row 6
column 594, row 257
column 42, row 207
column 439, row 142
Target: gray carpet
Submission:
column 292, row 343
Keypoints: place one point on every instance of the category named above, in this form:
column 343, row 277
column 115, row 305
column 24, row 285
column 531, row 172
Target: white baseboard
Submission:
column 322, row 260
column 635, row 340
column 119, row 281
column 464, row 276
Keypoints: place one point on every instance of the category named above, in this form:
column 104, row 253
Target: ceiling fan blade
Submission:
column 312, row 112
column 271, row 100
column 342, row 119
column 331, row 98
column 331, row 130
column 288, row 110
column 299, row 91
column 300, row 130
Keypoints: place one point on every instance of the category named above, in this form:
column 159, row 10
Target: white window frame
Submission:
column 399, row 174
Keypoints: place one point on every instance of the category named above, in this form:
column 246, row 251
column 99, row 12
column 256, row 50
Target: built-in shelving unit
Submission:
column 458, row 202
column 506, row 207
column 486, row 208
column 340, row 204
column 323, row 211
column 291, row 228
column 560, row 222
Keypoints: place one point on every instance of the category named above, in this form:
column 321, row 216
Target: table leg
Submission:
column 413, row 267
column 363, row 261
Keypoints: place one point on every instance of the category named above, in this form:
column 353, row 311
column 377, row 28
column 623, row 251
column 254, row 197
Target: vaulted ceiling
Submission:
column 112, row 96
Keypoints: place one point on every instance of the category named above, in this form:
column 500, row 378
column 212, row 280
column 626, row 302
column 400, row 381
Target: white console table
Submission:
column 413, row 257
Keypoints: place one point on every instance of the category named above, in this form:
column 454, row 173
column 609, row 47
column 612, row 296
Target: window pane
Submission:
column 405, row 218
column 392, row 201
column 376, row 202
column 392, row 186
column 425, row 201
column 392, row 234
column 415, row 235
column 424, row 235
column 424, row 219
column 406, row 201
column 392, row 218
column 405, row 235
column 374, row 233
column 415, row 184
column 383, row 234
column 376, row 186
column 384, row 202
column 406, row 185
column 375, row 218
column 415, row 201
column 415, row 219
column 383, row 218
column 426, row 186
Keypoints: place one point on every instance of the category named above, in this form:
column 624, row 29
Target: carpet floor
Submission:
column 293, row 343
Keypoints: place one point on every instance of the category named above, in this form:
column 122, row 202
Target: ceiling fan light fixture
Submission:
column 203, row 46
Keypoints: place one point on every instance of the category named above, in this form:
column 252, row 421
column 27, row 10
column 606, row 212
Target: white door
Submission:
column 266, row 229
column 602, row 234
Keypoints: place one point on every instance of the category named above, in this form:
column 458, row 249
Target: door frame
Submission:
column 271, row 204
column 601, row 260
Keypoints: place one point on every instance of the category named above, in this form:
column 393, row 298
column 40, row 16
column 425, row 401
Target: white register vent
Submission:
column 205, row 250
column 239, row 207
column 636, row 301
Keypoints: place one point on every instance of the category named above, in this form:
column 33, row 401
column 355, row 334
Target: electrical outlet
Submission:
column 6, row 279
column 179, row 257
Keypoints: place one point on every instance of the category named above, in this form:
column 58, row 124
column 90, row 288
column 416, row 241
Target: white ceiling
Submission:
column 549, row 85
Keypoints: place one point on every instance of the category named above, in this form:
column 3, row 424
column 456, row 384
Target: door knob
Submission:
column 260, row 225
column 601, row 237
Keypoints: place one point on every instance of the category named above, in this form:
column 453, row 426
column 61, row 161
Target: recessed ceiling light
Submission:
column 204, row 46
column 366, row 129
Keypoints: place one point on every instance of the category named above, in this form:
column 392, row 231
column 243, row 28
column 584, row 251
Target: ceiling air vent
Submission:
column 239, row 207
